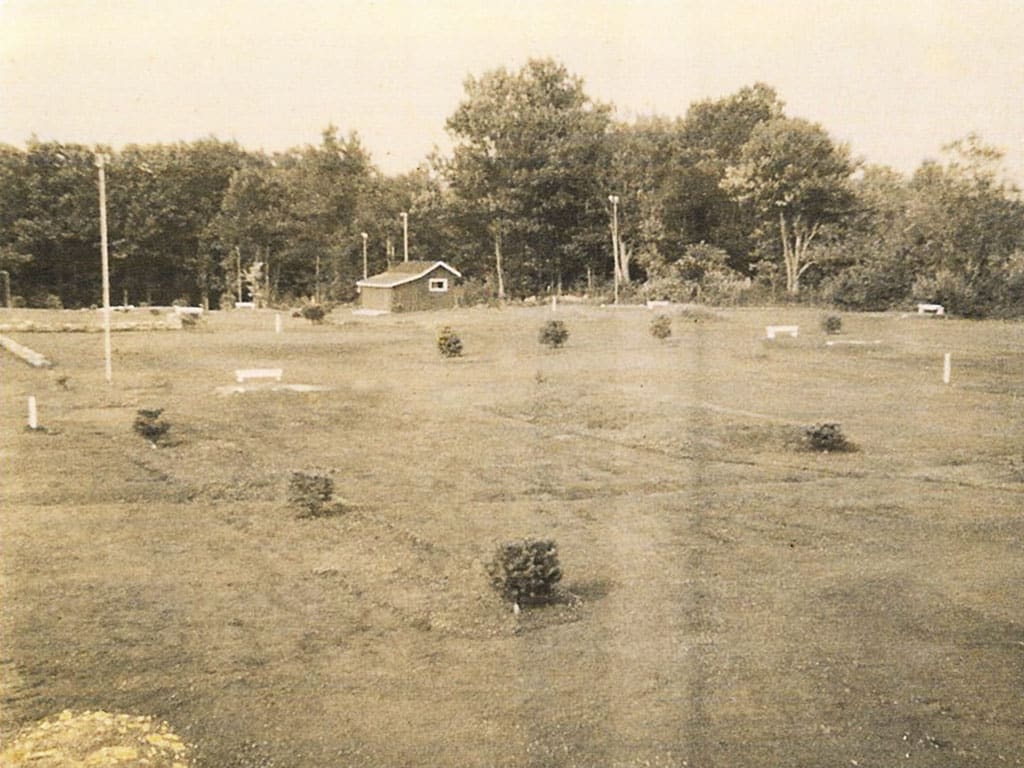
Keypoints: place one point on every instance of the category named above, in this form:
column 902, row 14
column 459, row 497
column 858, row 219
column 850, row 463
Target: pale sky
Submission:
column 896, row 79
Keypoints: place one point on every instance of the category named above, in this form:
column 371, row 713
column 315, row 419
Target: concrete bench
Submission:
column 931, row 309
column 657, row 304
column 774, row 330
column 188, row 311
column 244, row 374
column 245, row 305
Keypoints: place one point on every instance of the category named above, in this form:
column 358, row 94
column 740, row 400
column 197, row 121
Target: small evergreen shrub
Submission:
column 314, row 313
column 311, row 494
column 525, row 571
column 554, row 334
column 149, row 425
column 661, row 326
column 826, row 437
column 832, row 324
column 448, row 342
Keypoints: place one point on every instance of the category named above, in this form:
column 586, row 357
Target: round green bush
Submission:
column 314, row 313
column 526, row 571
column 448, row 342
column 832, row 324
column 661, row 326
column 310, row 494
column 149, row 425
column 553, row 334
column 826, row 437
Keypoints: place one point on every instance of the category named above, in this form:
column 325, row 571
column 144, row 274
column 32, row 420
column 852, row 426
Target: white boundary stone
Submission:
column 244, row 374
column 771, row 331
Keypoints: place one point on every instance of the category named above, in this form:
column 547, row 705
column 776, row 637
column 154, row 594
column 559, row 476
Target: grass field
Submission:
column 739, row 601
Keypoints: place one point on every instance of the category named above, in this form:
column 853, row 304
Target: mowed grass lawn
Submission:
column 740, row 601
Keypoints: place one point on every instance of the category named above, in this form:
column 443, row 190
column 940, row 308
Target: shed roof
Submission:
column 405, row 272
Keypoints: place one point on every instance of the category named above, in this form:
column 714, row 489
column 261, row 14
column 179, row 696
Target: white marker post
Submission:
column 947, row 367
column 33, row 417
column 277, row 323
column 554, row 303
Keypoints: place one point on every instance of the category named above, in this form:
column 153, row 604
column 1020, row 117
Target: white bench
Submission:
column 245, row 305
column 244, row 374
column 931, row 309
column 773, row 330
column 188, row 311
column 656, row 304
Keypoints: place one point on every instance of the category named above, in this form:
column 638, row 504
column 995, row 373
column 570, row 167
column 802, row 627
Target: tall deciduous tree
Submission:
column 529, row 162
column 50, row 240
column 670, row 172
column 967, row 223
column 162, row 199
column 797, row 180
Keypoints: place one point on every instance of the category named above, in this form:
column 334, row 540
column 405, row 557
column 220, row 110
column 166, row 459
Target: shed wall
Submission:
column 375, row 298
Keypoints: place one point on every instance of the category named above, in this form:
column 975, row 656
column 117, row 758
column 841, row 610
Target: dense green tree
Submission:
column 50, row 210
column 300, row 216
column 330, row 185
column 967, row 223
column 529, row 163
column 797, row 180
column 872, row 265
column 162, row 200
column 254, row 224
column 712, row 137
column 14, row 256
column 671, row 173
column 645, row 159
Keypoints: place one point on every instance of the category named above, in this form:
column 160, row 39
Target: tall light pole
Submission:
column 614, row 200
column 405, row 235
column 105, row 261
column 366, row 273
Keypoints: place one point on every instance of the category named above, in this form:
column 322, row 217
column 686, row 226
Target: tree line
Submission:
column 734, row 201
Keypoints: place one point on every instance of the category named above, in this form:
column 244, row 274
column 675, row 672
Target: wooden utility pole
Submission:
column 497, row 264
column 405, row 235
column 7, row 287
column 105, row 261
column 614, row 200
column 366, row 272
column 238, row 273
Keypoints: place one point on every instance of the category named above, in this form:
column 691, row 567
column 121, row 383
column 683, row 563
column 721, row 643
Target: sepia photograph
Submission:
column 511, row 384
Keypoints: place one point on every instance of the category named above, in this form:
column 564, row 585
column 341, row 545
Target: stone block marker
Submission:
column 30, row 356
column 771, row 331
column 931, row 309
column 244, row 374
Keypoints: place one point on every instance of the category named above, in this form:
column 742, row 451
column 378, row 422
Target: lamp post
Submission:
column 405, row 235
column 105, row 262
column 365, row 272
column 614, row 200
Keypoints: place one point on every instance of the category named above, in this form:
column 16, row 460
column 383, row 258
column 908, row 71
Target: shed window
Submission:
column 438, row 285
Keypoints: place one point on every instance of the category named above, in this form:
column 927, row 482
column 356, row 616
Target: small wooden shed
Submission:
column 409, row 286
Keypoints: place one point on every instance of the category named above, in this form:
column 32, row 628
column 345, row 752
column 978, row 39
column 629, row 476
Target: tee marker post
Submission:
column 277, row 323
column 33, row 416
column 946, row 368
